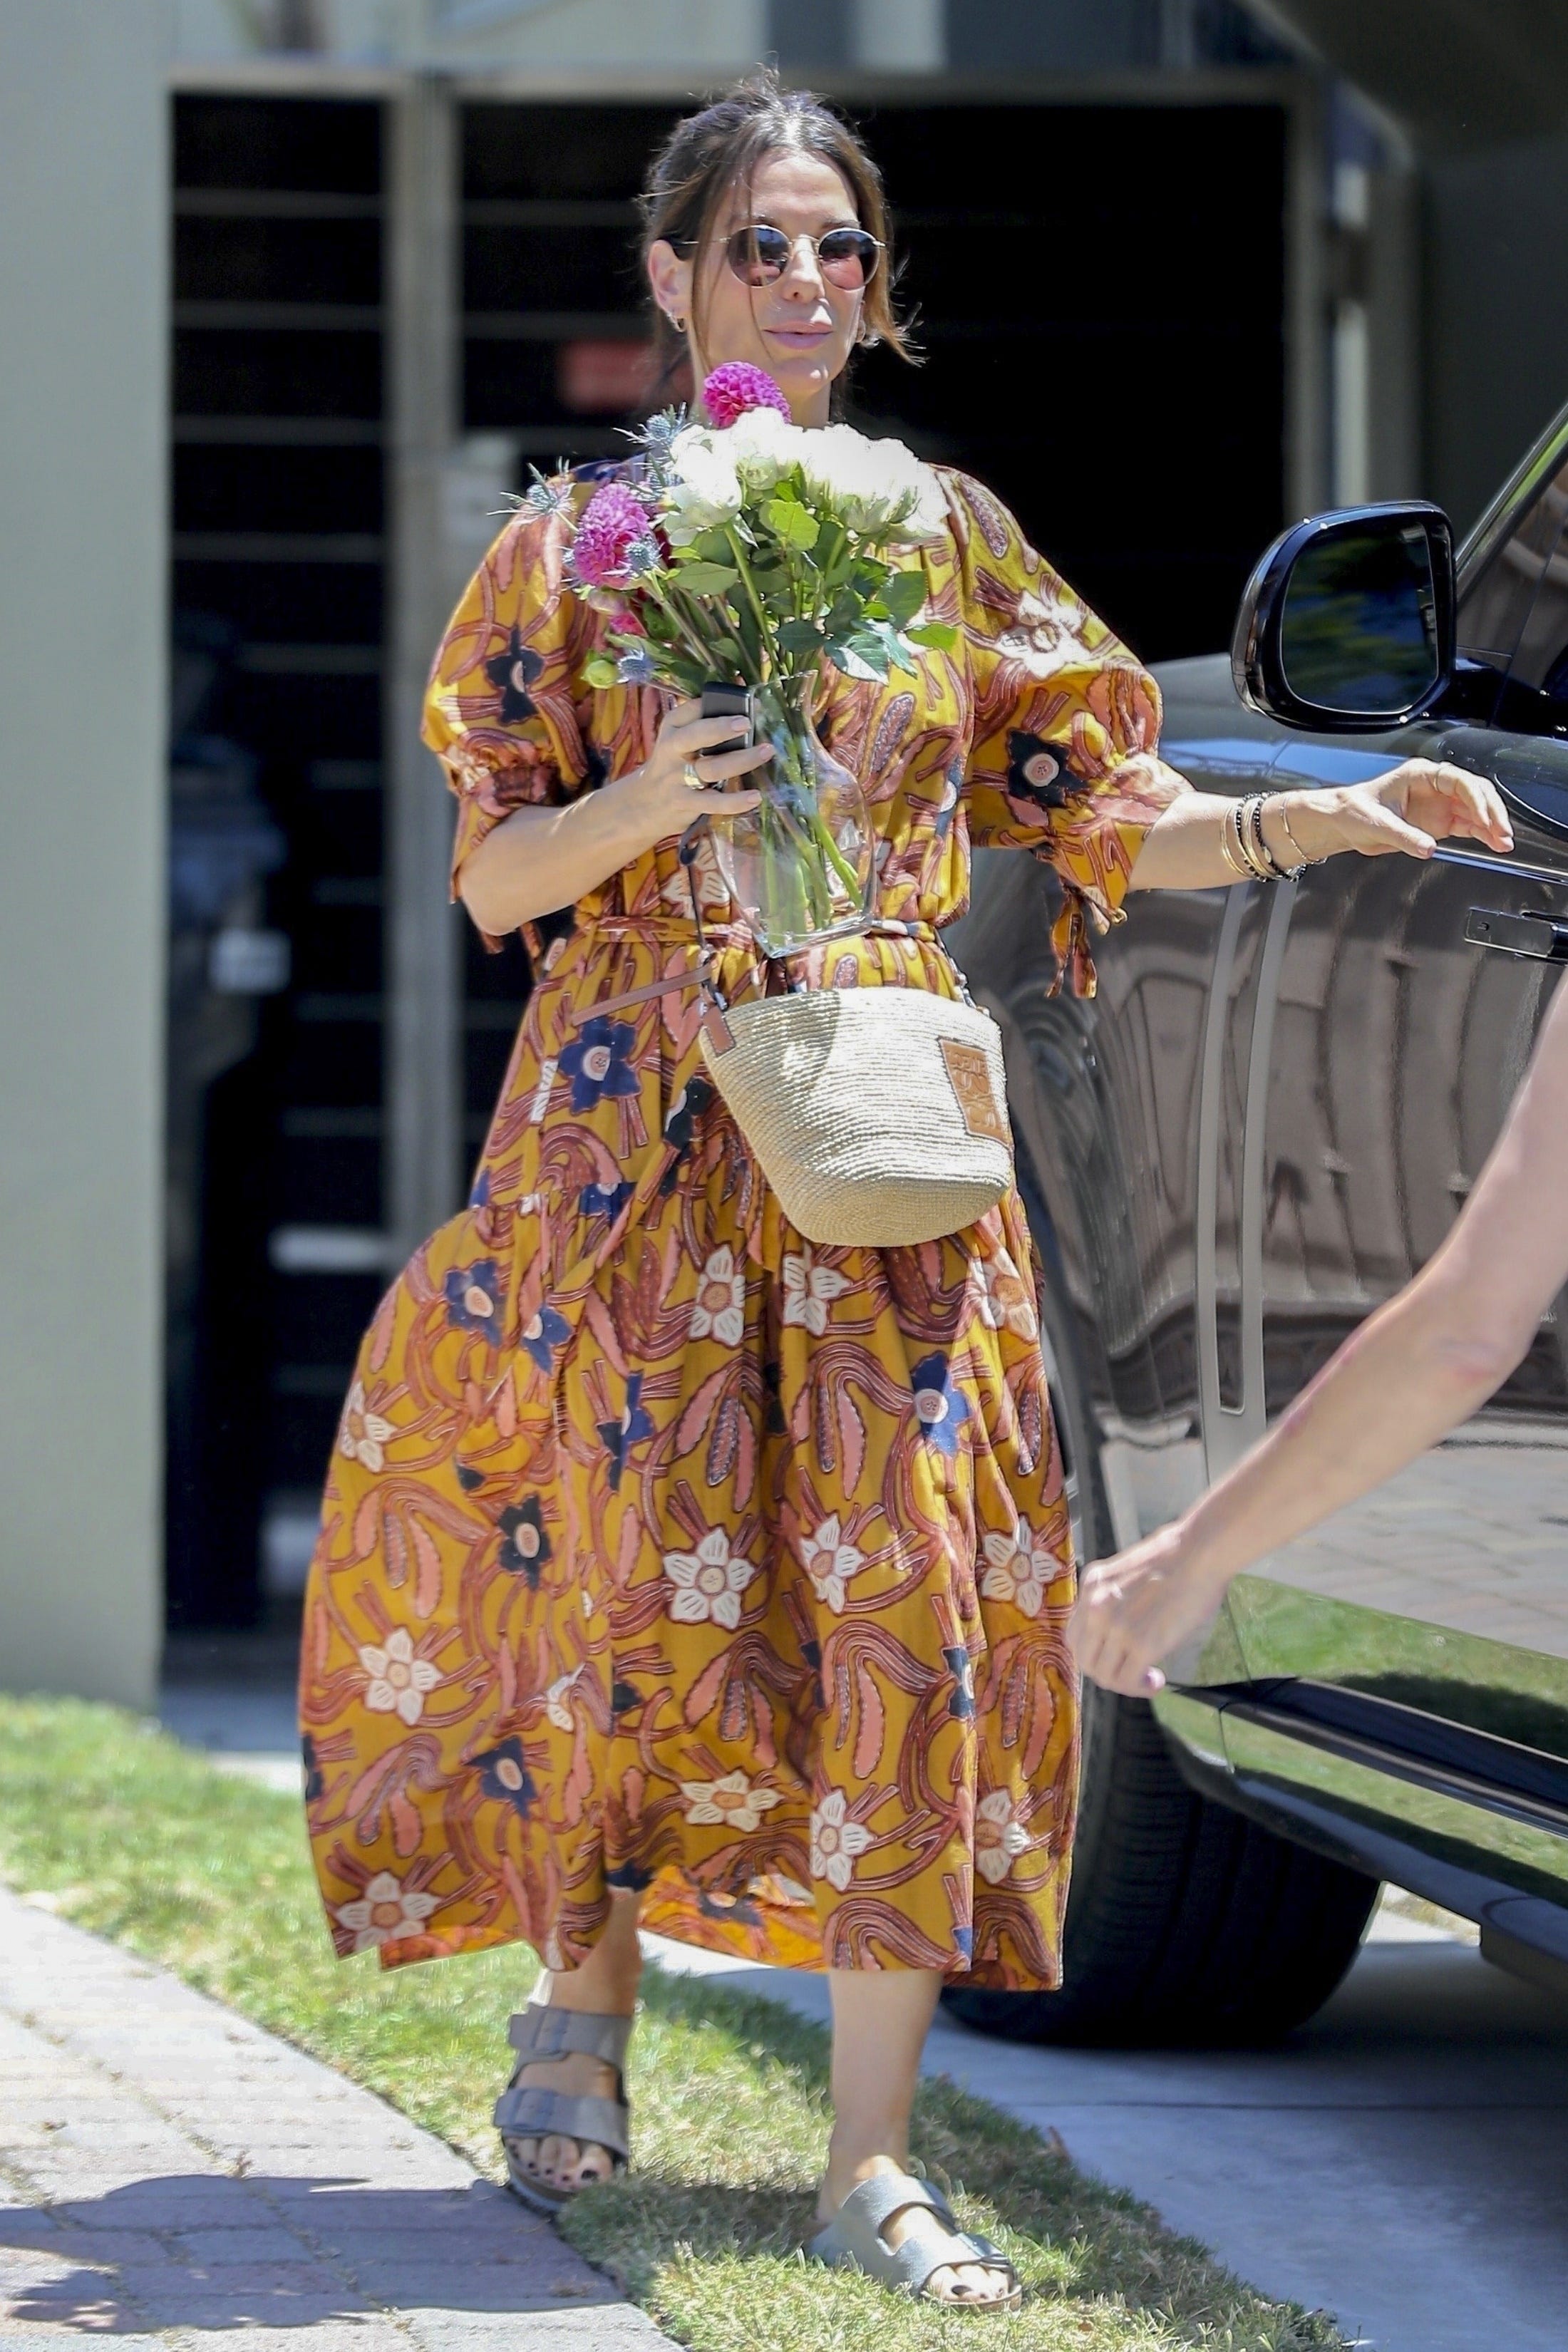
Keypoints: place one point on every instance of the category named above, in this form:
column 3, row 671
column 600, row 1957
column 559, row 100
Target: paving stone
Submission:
column 207, row 2180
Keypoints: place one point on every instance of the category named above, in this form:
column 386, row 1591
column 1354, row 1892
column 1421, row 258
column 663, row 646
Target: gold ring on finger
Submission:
column 692, row 780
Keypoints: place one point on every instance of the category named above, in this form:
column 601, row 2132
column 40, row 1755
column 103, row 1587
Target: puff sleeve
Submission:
column 504, row 711
column 1066, row 725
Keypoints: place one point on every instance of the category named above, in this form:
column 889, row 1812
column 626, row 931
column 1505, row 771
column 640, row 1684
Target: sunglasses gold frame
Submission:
column 740, row 268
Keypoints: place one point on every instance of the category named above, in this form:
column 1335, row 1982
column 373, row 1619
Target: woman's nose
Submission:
column 802, row 273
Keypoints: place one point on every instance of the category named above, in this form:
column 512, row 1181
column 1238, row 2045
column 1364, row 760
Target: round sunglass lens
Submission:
column 848, row 256
column 759, row 255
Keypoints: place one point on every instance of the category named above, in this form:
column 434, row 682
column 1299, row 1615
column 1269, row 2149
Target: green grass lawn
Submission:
column 131, row 1836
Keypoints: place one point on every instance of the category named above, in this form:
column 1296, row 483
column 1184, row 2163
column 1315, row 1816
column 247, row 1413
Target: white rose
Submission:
column 705, row 493
column 872, row 486
column 762, row 447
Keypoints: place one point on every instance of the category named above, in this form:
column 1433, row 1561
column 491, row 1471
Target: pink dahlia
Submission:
column 736, row 386
column 613, row 522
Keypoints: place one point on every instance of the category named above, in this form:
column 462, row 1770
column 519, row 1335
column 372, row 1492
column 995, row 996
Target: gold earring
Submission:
column 678, row 322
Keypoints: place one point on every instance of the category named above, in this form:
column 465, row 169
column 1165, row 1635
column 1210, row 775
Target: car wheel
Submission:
column 1186, row 1923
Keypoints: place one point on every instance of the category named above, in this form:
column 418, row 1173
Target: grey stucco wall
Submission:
column 83, row 333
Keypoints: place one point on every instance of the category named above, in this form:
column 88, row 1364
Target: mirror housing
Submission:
column 1347, row 623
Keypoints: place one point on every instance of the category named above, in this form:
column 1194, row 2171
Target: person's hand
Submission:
column 1133, row 1609
column 664, row 793
column 1410, row 808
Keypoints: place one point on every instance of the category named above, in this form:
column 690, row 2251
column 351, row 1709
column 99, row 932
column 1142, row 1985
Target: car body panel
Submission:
column 1263, row 1124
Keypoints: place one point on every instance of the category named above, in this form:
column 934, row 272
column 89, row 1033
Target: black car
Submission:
column 1262, row 1125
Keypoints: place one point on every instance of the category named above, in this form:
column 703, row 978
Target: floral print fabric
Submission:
column 662, row 1550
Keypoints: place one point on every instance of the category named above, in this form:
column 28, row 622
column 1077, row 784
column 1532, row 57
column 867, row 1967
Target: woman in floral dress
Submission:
column 673, row 1569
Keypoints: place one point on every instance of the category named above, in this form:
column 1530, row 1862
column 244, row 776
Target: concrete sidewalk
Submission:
column 168, row 2170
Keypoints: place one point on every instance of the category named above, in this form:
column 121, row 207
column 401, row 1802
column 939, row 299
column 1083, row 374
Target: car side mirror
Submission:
column 1348, row 621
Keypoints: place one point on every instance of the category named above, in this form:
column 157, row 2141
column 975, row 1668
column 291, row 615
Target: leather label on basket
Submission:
column 969, row 1068
column 720, row 1035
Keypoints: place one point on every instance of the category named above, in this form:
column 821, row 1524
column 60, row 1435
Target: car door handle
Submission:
column 1518, row 935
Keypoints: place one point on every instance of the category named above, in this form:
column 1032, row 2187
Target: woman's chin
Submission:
column 805, row 378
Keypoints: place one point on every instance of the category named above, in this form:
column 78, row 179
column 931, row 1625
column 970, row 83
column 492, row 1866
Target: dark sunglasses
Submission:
column 759, row 255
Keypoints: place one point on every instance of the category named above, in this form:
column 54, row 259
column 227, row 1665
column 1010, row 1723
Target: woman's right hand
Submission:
column 661, row 786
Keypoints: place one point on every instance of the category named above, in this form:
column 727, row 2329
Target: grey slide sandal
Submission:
column 539, row 2034
column 853, row 2240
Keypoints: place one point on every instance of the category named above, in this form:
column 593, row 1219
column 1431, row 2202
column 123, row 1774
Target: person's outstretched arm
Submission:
column 1413, row 1371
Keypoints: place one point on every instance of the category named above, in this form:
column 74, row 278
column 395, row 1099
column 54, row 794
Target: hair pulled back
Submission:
column 710, row 153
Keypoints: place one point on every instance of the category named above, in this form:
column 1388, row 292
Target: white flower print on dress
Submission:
column 712, row 890
column 835, row 1840
column 999, row 1836
column 809, row 1290
column 830, row 1561
column 1004, row 1298
column 556, row 1708
column 735, row 1801
column 1018, row 1569
column 709, row 1582
column 382, row 1911
column 397, row 1679
column 721, row 1310
column 364, row 1435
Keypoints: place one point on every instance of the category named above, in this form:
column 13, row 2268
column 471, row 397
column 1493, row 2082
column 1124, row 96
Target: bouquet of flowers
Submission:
column 750, row 550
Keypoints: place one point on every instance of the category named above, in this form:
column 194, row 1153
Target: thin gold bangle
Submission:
column 1232, row 858
column 1306, row 861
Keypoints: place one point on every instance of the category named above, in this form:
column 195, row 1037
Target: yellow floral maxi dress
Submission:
column 662, row 1550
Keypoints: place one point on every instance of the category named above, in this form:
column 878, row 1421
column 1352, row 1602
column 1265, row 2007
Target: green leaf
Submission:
column 859, row 655
column 707, row 579
column 800, row 637
column 903, row 597
column 789, row 520
column 940, row 635
column 599, row 672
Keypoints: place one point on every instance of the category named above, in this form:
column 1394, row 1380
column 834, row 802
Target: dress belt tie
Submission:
column 654, row 927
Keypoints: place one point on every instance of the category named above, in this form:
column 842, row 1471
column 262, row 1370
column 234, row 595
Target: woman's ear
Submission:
column 670, row 278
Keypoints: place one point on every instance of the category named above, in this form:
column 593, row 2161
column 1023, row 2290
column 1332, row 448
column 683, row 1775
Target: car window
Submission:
column 1513, row 615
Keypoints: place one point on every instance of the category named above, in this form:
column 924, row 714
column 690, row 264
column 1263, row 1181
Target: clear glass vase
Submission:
column 802, row 866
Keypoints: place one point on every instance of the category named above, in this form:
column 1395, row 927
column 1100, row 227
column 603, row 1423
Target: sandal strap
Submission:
column 932, row 2240
column 538, row 2032
column 523, row 2114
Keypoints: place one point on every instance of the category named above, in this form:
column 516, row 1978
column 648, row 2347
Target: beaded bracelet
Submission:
column 1271, row 863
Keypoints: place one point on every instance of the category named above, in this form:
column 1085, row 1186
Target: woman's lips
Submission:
column 799, row 339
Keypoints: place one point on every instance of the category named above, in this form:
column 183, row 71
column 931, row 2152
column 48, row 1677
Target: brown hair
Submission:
column 708, row 154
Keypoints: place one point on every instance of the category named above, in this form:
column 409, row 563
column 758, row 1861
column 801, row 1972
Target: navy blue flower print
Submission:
column 525, row 1546
column 624, row 1696
column 543, row 1332
column 964, row 1942
column 479, row 1198
column 619, row 1437
column 469, row 1480
column 1037, row 771
column 961, row 1667
column 314, row 1779
column 939, row 1407
column 628, row 1877
column 513, row 672
column 604, row 1199
column 598, row 1061
column 473, row 1298
column 504, row 1774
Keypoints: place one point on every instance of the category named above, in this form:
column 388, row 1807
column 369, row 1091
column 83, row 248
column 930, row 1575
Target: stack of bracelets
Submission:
column 1245, row 852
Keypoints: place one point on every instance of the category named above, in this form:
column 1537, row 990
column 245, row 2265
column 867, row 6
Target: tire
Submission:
column 1186, row 1924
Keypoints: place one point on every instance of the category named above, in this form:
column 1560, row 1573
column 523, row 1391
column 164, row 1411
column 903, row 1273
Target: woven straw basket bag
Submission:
column 878, row 1115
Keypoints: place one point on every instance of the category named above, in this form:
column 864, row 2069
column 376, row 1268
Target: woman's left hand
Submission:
column 1135, row 1608
column 1409, row 809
